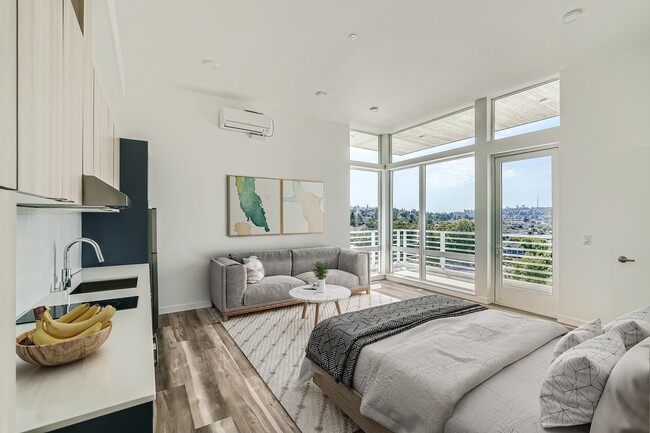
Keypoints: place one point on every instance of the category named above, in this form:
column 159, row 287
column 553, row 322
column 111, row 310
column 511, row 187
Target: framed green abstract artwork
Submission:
column 303, row 206
column 254, row 206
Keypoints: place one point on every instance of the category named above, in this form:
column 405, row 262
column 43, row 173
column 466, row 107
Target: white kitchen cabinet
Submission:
column 40, row 102
column 73, row 69
column 116, row 157
column 88, row 93
column 104, row 164
column 7, row 310
column 8, row 83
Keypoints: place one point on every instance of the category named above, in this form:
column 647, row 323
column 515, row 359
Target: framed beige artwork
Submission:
column 303, row 206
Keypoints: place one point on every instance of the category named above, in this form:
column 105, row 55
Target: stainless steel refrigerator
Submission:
column 153, row 266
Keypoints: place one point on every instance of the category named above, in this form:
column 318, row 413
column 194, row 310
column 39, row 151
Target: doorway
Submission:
column 525, row 192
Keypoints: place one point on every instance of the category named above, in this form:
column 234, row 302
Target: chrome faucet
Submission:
column 66, row 275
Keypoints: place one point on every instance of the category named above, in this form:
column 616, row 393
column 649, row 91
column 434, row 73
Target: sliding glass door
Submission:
column 525, row 196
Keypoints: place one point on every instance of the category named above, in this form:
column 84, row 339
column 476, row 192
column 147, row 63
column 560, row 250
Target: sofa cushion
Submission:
column 275, row 262
column 271, row 290
column 304, row 258
column 334, row 276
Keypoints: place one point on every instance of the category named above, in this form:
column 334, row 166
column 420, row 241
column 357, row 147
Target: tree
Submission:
column 535, row 261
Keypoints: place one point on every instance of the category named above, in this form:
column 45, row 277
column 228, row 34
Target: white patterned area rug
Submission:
column 274, row 341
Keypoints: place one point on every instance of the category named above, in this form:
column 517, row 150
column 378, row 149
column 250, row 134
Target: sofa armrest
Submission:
column 227, row 283
column 357, row 263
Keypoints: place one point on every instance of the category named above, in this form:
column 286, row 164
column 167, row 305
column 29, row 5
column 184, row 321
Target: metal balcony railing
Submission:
column 525, row 258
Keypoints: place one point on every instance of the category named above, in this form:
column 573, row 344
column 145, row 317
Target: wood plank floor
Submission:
column 205, row 384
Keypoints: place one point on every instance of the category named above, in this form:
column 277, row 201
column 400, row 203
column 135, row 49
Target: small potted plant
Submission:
column 320, row 272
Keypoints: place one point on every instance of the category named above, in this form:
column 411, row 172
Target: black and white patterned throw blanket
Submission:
column 335, row 343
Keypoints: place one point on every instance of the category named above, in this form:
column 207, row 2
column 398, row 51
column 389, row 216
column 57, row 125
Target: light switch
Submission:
column 586, row 239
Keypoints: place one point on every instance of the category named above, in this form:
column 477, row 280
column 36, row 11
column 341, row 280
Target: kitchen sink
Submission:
column 104, row 285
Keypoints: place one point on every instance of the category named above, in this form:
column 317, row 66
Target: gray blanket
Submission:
column 335, row 343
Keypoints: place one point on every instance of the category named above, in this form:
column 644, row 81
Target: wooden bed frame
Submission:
column 349, row 401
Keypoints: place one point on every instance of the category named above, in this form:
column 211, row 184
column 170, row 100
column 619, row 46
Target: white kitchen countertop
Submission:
column 119, row 375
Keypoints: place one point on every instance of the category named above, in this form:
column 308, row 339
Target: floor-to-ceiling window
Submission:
column 364, row 214
column 433, row 201
column 406, row 222
column 437, row 185
column 450, row 222
column 365, row 197
column 524, row 191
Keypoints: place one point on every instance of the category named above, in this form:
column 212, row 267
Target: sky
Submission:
column 450, row 184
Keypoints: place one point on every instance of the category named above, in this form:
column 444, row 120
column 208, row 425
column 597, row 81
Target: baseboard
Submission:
column 184, row 307
column 570, row 320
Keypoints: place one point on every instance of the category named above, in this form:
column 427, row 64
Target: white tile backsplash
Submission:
column 41, row 235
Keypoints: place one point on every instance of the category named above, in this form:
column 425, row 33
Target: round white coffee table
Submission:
column 332, row 293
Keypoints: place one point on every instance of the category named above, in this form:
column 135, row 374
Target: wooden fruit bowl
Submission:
column 61, row 353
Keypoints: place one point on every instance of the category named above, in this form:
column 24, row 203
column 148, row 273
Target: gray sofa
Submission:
column 283, row 271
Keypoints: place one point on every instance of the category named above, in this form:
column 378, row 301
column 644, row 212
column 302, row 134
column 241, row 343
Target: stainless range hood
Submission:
column 97, row 193
column 97, row 196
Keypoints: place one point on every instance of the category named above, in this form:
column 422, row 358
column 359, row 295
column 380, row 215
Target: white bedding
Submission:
column 403, row 403
column 509, row 400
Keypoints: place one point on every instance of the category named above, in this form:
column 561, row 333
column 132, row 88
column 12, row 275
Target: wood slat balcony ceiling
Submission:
column 532, row 105
column 456, row 127
column 364, row 141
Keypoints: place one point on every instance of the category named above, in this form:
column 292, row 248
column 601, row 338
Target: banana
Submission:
column 40, row 336
column 67, row 330
column 90, row 312
column 73, row 314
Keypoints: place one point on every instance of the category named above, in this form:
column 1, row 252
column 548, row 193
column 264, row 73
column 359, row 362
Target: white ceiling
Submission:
column 414, row 59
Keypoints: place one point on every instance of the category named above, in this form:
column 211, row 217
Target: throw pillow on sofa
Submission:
column 254, row 270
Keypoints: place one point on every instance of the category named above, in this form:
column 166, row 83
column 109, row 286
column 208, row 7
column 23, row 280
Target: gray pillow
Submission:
column 579, row 335
column 632, row 330
column 575, row 381
column 627, row 394
column 640, row 314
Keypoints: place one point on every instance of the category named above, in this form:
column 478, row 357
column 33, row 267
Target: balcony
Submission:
column 527, row 259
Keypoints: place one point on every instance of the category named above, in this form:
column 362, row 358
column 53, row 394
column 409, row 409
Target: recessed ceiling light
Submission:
column 321, row 94
column 572, row 16
column 210, row 64
column 374, row 109
column 353, row 36
column 422, row 136
column 544, row 101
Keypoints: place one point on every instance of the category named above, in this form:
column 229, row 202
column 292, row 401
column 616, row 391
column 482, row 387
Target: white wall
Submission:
column 605, row 108
column 41, row 236
column 189, row 158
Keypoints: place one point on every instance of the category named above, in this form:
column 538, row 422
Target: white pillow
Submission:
column 575, row 381
column 634, row 327
column 254, row 269
column 579, row 335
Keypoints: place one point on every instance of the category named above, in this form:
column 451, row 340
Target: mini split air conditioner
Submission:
column 249, row 122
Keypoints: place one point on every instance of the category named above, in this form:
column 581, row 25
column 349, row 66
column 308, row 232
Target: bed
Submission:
column 441, row 376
